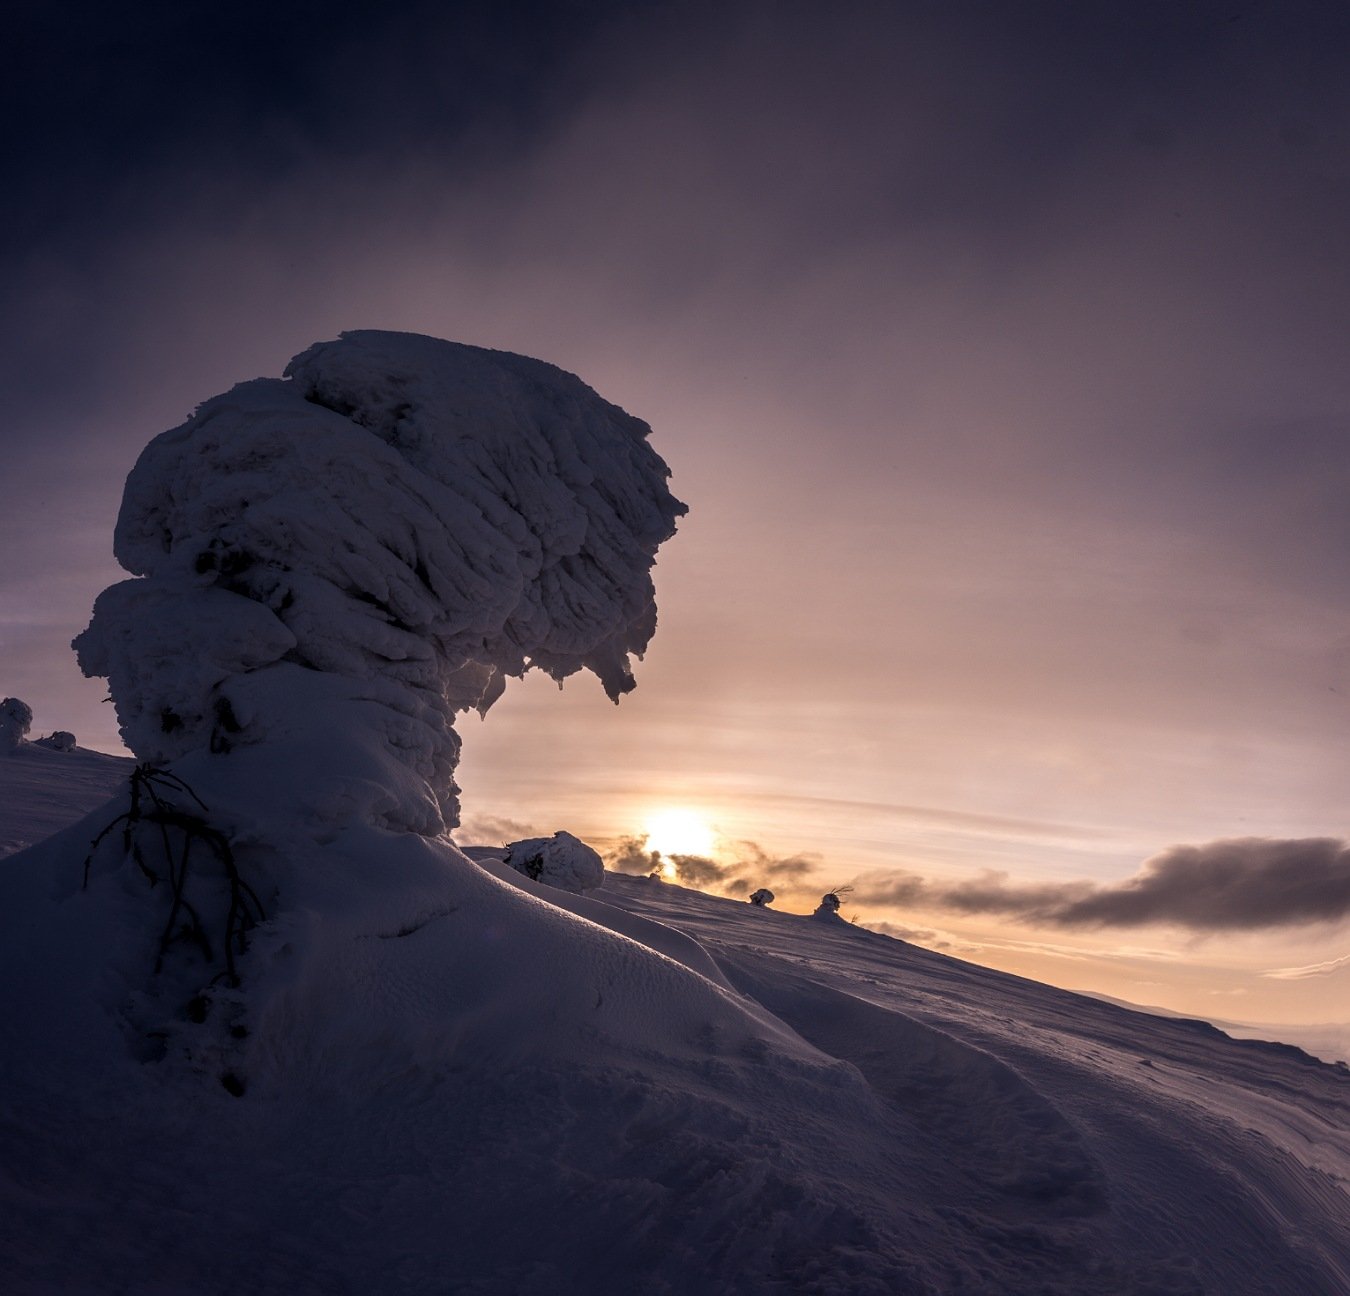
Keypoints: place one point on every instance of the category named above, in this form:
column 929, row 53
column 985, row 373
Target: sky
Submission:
column 998, row 350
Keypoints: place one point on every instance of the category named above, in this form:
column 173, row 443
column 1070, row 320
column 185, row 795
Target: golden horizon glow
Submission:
column 679, row 831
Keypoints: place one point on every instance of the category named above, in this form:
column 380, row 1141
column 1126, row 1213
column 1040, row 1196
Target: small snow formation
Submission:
column 561, row 861
column 16, row 719
column 831, row 902
column 761, row 897
column 61, row 740
column 338, row 561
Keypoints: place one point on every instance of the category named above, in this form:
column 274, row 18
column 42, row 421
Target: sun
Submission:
column 679, row 832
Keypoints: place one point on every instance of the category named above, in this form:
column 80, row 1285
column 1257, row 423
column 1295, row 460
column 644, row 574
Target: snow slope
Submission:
column 42, row 790
column 457, row 1080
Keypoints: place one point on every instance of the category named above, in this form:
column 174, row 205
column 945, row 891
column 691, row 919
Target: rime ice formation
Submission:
column 560, row 861
column 16, row 719
column 332, row 564
column 761, row 897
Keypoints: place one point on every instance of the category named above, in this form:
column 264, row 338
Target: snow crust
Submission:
column 391, row 530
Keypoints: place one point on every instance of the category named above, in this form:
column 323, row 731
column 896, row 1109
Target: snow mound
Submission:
column 392, row 530
column 560, row 861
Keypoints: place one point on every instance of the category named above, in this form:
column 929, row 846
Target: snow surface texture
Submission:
column 43, row 790
column 459, row 1080
column 335, row 563
column 561, row 861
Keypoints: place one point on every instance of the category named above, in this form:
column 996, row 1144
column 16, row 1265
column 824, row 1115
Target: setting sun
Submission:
column 679, row 832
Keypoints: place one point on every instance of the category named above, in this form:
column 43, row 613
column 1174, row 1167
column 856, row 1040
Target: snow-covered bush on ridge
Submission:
column 16, row 719
column 561, row 861
column 333, row 564
column 61, row 740
column 761, row 897
column 831, row 903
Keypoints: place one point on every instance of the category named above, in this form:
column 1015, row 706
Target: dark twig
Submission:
column 245, row 912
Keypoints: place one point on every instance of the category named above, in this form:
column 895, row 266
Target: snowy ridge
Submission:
column 471, row 1082
column 42, row 790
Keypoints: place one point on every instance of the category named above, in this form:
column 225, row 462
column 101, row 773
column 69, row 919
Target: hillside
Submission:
column 455, row 1080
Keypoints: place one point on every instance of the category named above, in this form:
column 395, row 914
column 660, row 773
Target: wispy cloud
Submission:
column 1311, row 970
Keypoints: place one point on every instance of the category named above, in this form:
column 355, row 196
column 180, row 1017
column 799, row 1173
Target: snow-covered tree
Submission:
column 831, row 903
column 329, row 566
column 761, row 897
column 16, row 719
column 61, row 740
column 561, row 861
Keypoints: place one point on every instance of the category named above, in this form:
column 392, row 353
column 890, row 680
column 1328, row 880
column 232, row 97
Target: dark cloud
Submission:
column 749, row 867
column 113, row 91
column 631, row 855
column 700, row 871
column 1242, row 884
column 1245, row 883
column 745, row 866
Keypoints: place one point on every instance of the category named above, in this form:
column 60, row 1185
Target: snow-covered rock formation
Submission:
column 331, row 565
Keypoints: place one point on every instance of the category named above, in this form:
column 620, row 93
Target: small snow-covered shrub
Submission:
column 561, row 861
column 62, row 740
column 761, row 897
column 16, row 719
column 831, row 902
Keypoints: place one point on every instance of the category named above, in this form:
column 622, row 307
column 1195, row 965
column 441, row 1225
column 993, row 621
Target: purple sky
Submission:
column 999, row 351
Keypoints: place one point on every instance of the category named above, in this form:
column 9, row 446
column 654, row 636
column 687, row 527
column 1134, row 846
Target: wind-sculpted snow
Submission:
column 390, row 531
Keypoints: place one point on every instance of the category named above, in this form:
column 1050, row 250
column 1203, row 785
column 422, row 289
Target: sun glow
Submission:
column 679, row 832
